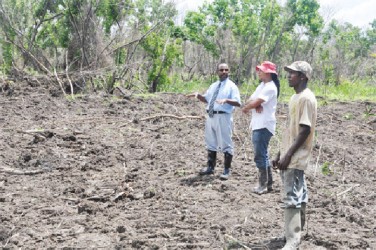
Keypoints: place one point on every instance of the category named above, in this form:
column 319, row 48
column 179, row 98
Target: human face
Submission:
column 223, row 71
column 263, row 76
column 293, row 78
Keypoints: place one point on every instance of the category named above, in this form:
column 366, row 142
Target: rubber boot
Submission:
column 292, row 228
column 303, row 214
column 212, row 158
column 263, row 178
column 302, row 222
column 226, row 172
column 270, row 179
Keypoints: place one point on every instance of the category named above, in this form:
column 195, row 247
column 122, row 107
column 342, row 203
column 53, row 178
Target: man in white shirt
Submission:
column 221, row 98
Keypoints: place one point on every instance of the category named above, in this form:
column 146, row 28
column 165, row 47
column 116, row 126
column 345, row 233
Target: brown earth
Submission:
column 121, row 173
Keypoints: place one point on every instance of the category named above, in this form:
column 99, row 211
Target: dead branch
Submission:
column 348, row 190
column 138, row 39
column 60, row 83
column 20, row 172
column 66, row 72
column 317, row 161
column 30, row 132
column 172, row 116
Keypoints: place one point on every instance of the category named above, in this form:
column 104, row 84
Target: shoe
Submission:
column 207, row 171
column 260, row 190
column 225, row 175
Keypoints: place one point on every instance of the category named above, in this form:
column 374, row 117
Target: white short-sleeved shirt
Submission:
column 266, row 119
column 302, row 111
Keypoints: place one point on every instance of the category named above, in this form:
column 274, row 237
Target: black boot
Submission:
column 226, row 172
column 270, row 179
column 212, row 158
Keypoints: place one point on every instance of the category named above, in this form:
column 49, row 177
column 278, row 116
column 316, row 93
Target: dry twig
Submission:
column 348, row 190
column 20, row 172
column 171, row 116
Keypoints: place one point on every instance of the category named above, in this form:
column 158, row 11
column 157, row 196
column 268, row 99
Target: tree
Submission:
column 343, row 51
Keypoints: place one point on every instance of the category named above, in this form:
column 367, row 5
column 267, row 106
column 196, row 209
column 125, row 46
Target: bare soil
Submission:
column 121, row 173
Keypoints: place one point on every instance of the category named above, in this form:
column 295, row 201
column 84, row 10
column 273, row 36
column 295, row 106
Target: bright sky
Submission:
column 357, row 12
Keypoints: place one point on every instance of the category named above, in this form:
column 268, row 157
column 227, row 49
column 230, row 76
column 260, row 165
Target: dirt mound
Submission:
column 107, row 172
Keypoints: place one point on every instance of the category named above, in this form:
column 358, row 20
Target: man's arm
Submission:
column 304, row 132
column 232, row 102
column 198, row 96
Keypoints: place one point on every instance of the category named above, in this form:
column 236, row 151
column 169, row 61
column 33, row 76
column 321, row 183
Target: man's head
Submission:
column 300, row 66
column 223, row 71
column 299, row 72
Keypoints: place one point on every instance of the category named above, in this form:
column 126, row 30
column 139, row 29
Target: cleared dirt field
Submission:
column 121, row 173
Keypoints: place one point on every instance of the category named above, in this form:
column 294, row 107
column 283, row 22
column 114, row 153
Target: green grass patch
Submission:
column 346, row 91
column 360, row 90
column 186, row 87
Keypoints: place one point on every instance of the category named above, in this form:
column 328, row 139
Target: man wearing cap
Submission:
column 222, row 97
column 297, row 144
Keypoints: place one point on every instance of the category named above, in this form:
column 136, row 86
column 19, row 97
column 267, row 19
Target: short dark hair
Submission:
column 222, row 64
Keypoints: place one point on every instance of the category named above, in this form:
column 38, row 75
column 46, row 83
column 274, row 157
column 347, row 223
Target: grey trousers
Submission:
column 294, row 191
column 218, row 133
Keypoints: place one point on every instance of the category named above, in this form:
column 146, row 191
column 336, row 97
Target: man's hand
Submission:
column 221, row 101
column 276, row 159
column 192, row 95
column 245, row 110
column 284, row 162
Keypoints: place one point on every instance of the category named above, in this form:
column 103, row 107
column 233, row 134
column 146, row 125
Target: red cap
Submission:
column 267, row 67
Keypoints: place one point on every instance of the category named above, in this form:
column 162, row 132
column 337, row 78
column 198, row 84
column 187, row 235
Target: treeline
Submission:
column 138, row 43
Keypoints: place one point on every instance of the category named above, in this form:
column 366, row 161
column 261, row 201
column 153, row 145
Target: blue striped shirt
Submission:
column 228, row 90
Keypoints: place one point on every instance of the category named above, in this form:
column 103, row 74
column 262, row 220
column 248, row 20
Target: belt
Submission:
column 217, row 112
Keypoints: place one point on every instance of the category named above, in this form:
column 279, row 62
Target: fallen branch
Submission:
column 66, row 72
column 317, row 161
column 20, row 172
column 60, row 82
column 348, row 190
column 31, row 132
column 172, row 116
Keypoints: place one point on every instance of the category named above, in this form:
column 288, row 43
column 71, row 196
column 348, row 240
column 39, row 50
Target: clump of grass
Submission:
column 368, row 111
column 325, row 169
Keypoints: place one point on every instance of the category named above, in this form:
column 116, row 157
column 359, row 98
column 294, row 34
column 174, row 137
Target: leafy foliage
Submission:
column 139, row 44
